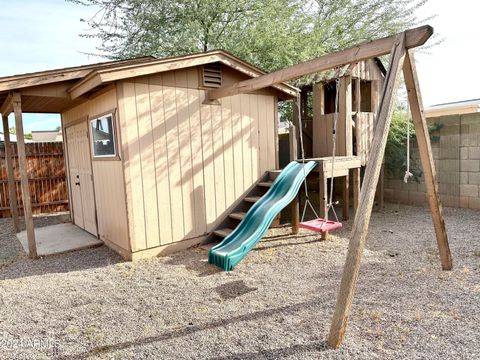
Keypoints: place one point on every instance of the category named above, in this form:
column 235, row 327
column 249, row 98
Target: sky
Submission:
column 44, row 34
column 448, row 72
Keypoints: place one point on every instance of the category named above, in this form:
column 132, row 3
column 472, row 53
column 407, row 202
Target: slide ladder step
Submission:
column 223, row 232
column 273, row 174
column 265, row 184
column 238, row 215
column 252, row 199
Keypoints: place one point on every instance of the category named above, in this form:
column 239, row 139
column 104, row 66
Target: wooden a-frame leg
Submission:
column 346, row 198
column 426, row 157
column 356, row 188
column 367, row 196
column 323, row 193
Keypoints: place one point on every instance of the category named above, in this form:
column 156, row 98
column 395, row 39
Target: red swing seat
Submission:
column 320, row 225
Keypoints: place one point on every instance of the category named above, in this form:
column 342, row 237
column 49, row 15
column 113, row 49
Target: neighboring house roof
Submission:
column 47, row 136
column 13, row 138
column 81, row 80
column 453, row 108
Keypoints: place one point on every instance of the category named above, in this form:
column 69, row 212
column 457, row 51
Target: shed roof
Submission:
column 55, row 90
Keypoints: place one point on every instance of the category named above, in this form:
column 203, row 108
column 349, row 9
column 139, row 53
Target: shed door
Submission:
column 81, row 179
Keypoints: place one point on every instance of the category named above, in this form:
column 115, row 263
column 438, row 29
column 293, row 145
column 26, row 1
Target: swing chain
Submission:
column 330, row 204
column 300, row 129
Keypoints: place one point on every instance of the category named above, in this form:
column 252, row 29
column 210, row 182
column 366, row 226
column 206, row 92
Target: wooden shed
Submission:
column 152, row 166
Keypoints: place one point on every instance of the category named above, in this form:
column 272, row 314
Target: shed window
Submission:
column 103, row 137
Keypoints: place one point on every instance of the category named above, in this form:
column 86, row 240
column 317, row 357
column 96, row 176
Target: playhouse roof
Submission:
column 82, row 80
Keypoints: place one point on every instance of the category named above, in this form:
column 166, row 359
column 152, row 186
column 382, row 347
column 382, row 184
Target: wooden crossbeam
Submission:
column 425, row 152
column 22, row 162
column 413, row 38
column 367, row 195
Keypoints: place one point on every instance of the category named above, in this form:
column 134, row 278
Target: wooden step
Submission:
column 252, row 199
column 222, row 232
column 273, row 174
column 265, row 184
column 238, row 215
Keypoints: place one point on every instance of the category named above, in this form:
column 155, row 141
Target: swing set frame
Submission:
column 400, row 47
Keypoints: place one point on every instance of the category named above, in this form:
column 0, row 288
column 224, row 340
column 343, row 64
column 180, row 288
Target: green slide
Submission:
column 258, row 219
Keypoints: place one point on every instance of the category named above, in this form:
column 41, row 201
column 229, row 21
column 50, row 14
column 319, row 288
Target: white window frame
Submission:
column 114, row 133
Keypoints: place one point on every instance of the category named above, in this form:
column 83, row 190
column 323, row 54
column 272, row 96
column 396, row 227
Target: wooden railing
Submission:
column 46, row 173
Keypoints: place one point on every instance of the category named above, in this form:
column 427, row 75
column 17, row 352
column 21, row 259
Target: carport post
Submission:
column 22, row 162
column 12, row 191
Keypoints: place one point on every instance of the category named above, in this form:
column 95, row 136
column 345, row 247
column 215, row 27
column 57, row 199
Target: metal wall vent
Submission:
column 212, row 75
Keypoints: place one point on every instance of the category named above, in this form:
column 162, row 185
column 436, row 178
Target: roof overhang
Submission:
column 16, row 82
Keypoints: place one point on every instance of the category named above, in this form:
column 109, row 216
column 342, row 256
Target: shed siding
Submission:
column 107, row 175
column 187, row 163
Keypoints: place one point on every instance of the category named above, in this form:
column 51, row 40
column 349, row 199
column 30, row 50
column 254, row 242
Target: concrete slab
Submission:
column 61, row 238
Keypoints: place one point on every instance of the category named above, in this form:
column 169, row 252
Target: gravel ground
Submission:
column 277, row 303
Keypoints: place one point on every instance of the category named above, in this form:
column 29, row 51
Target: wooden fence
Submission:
column 46, row 173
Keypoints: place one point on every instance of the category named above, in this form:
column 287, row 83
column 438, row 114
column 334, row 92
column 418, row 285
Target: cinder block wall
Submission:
column 457, row 160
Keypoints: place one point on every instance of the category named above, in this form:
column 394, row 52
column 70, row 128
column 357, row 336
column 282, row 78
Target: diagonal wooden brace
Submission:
column 426, row 157
column 367, row 196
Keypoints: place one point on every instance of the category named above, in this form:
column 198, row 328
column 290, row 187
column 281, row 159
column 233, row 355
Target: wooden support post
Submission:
column 318, row 129
column 367, row 195
column 22, row 162
column 12, row 190
column 295, row 205
column 358, row 99
column 356, row 188
column 344, row 125
column 346, row 198
column 426, row 157
column 323, row 194
column 292, row 142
